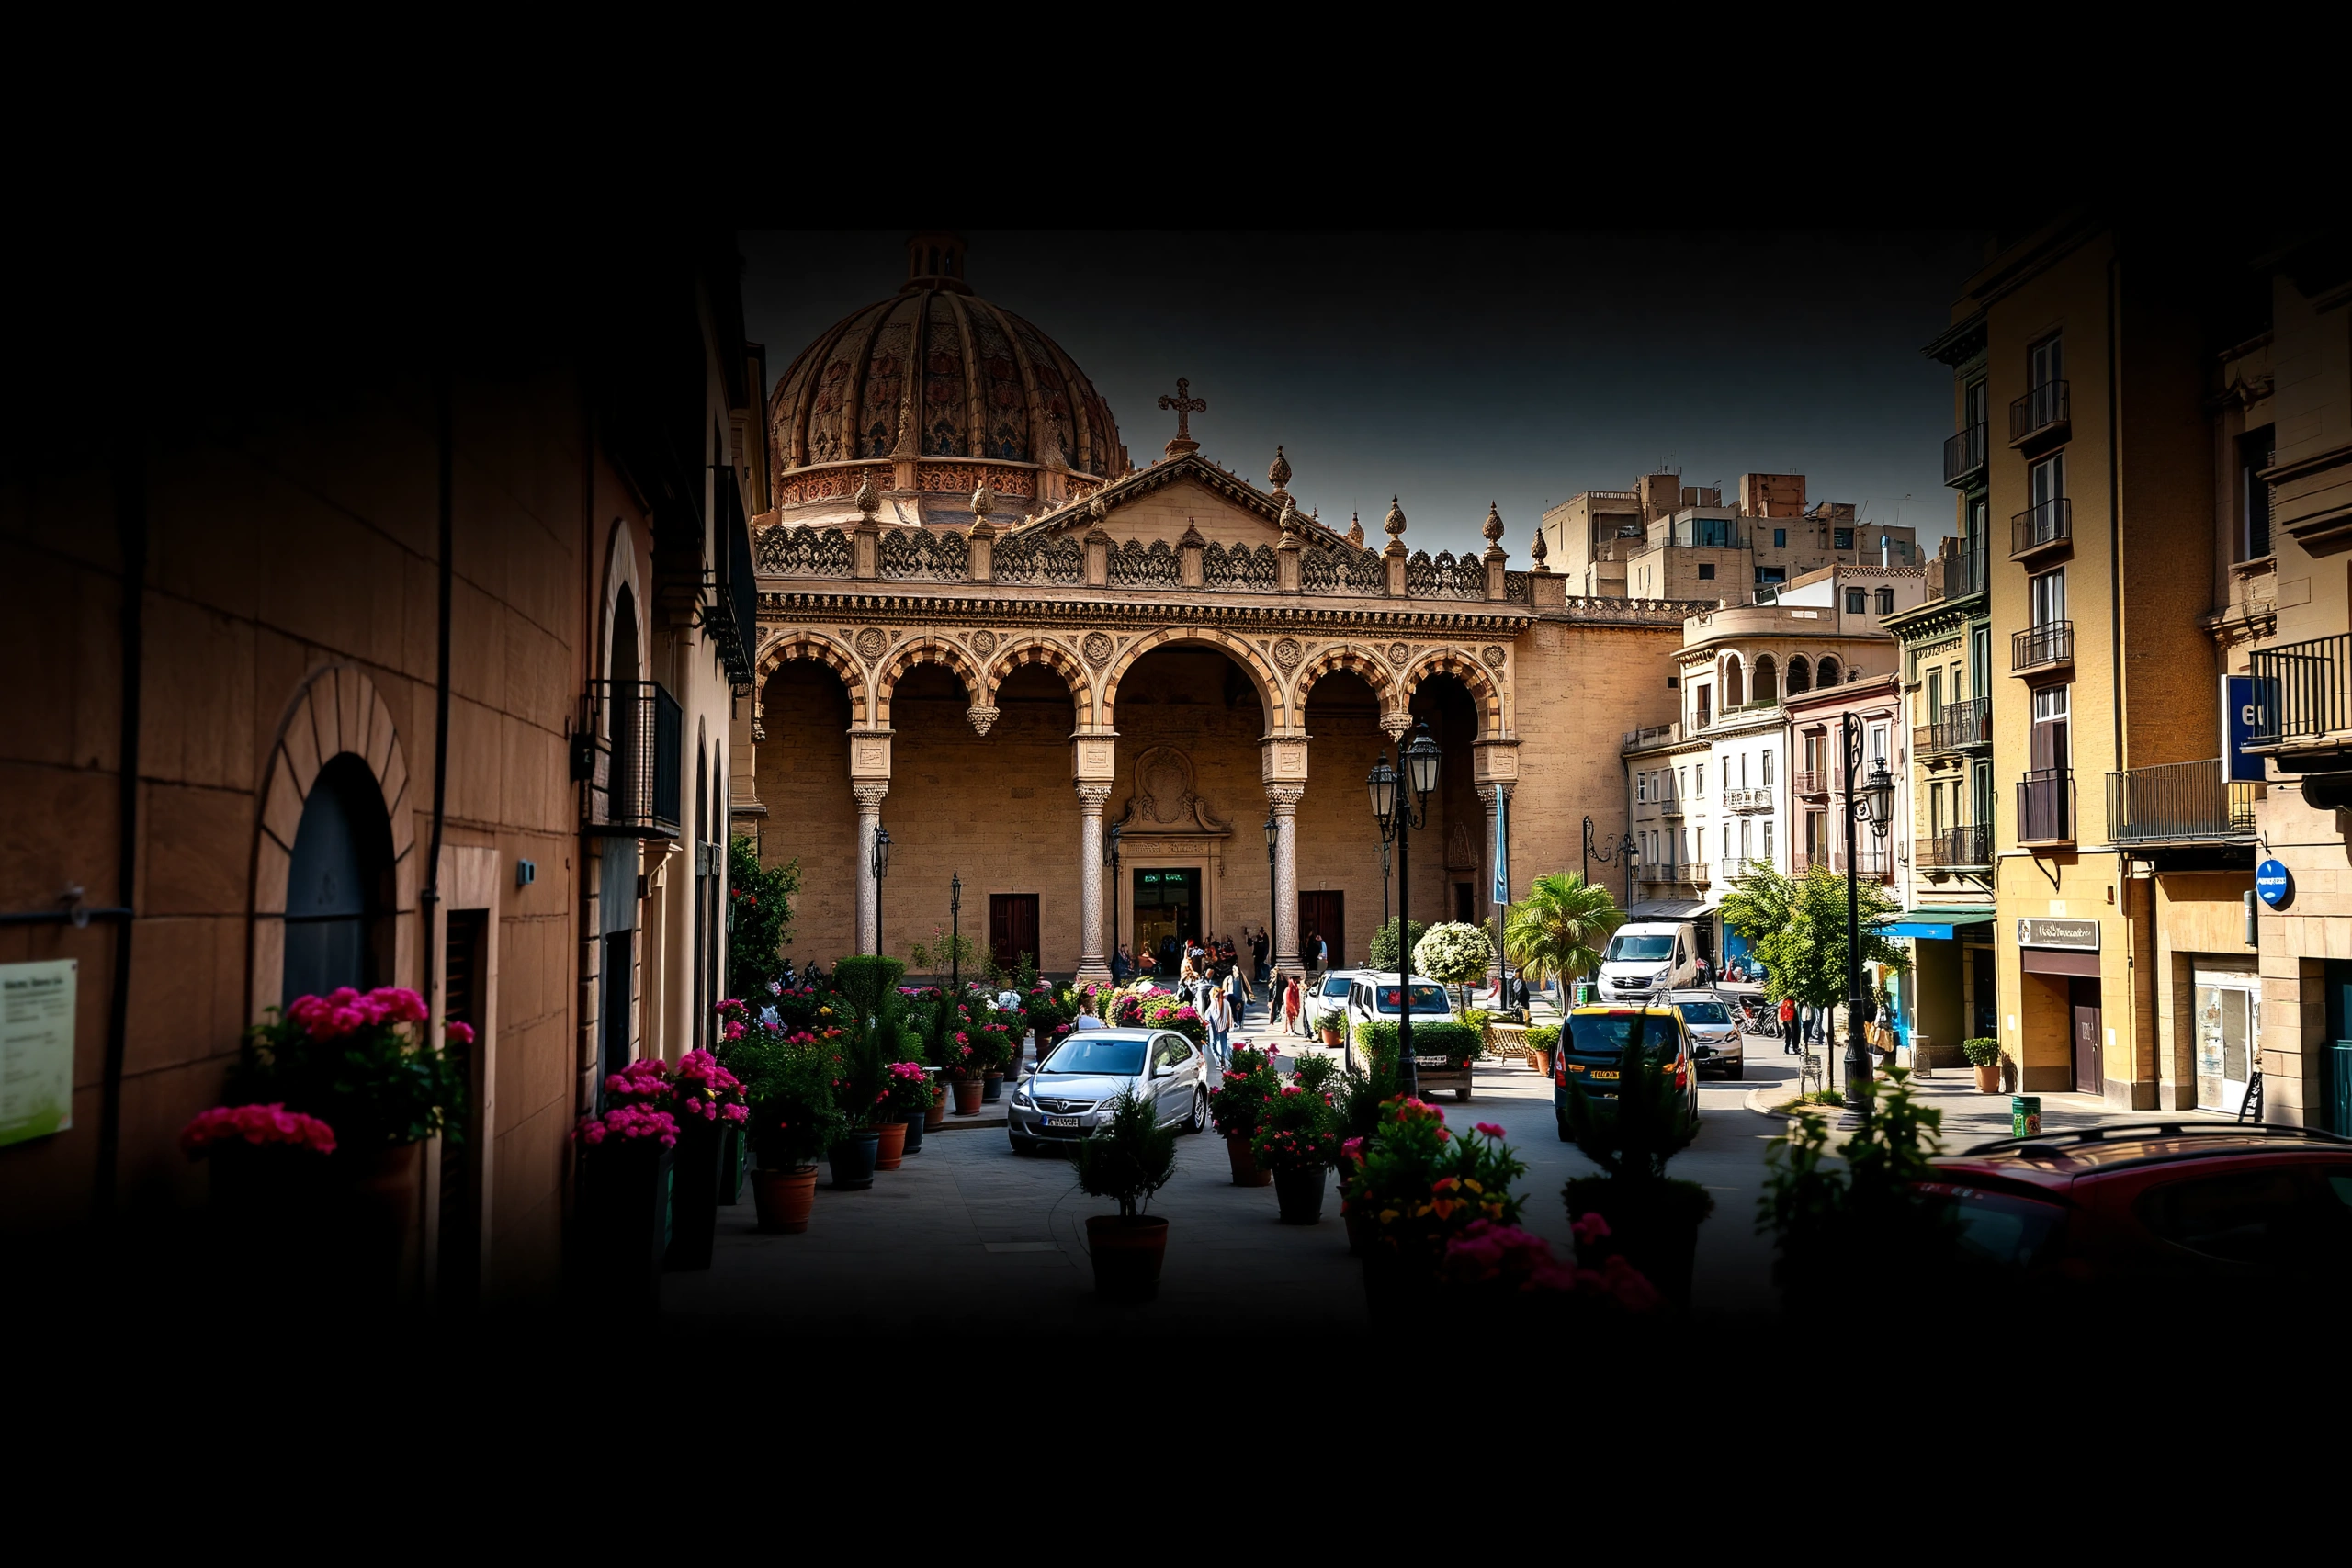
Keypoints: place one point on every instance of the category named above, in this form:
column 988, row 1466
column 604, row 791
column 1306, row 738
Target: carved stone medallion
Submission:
column 1287, row 653
column 984, row 643
column 1397, row 654
column 1493, row 655
column 870, row 644
column 1098, row 648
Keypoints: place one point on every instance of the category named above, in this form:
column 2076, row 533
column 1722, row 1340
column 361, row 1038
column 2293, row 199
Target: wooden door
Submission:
column 1012, row 929
column 2090, row 1050
column 1323, row 914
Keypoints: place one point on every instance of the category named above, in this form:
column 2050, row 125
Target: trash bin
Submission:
column 2025, row 1116
column 1583, row 994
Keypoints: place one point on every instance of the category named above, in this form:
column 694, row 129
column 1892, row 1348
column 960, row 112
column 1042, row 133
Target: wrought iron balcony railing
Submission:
column 2041, row 527
column 2036, row 647
column 2046, row 806
column 1810, row 781
column 628, row 753
column 2303, row 692
column 1964, row 726
column 1964, row 455
column 1747, row 802
column 2179, row 802
column 2040, row 412
column 1966, row 847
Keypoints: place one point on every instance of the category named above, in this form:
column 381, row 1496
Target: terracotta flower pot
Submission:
column 1331, row 1038
column 1126, row 1254
column 1988, row 1078
column 1246, row 1170
column 891, row 1153
column 785, row 1199
column 937, row 1114
column 967, row 1097
column 1541, row 1061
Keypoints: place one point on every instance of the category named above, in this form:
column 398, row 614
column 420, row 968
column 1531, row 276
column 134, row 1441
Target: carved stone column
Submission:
column 1092, row 965
column 869, row 819
column 1286, row 799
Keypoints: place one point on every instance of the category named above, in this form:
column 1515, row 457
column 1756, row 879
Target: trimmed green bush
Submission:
column 1457, row 1042
column 1981, row 1051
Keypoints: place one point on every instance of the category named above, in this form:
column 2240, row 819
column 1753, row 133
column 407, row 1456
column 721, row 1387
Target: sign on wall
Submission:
column 2274, row 883
column 2082, row 936
column 35, row 1049
column 2244, row 704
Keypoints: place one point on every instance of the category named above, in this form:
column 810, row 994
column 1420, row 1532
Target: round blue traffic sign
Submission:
column 2274, row 883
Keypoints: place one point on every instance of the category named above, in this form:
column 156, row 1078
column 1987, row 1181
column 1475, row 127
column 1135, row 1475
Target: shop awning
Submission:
column 1663, row 910
column 1938, row 924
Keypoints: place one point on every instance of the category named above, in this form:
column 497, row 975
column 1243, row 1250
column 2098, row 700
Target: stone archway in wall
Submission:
column 1031, row 651
column 814, row 648
column 1449, row 853
column 336, row 713
column 809, row 702
column 1476, row 675
column 1122, row 660
column 1338, row 871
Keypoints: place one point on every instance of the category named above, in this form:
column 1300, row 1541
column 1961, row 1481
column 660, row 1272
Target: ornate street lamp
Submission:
column 881, row 867
column 1874, row 804
column 1625, row 851
column 1400, row 799
column 954, row 934
column 1118, row 895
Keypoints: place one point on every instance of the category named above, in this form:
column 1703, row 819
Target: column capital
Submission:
column 981, row 718
column 1396, row 722
column 1495, row 794
column 870, row 793
column 1092, row 796
column 1285, row 798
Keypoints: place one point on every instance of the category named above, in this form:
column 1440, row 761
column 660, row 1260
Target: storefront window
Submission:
column 2228, row 1035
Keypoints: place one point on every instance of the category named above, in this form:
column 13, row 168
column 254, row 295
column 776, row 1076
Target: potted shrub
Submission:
column 362, row 1063
column 912, row 1095
column 628, row 1166
column 1541, row 1040
column 1129, row 1157
column 1444, row 1053
column 1417, row 1186
column 1330, row 1023
column 1496, row 1275
column 1455, row 954
column 996, row 1046
column 789, row 1080
column 1854, row 1223
column 1297, row 1139
column 1984, row 1054
column 1652, row 1218
column 708, row 1102
column 1357, row 1099
column 1234, row 1105
column 861, row 1091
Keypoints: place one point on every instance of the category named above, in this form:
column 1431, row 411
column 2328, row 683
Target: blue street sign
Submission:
column 2274, row 883
column 2247, row 717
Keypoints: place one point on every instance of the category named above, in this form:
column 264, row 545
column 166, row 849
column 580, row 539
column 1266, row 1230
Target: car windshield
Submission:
column 1704, row 1012
column 1605, row 1034
column 1119, row 1058
column 1426, row 998
column 1623, row 949
column 1335, row 986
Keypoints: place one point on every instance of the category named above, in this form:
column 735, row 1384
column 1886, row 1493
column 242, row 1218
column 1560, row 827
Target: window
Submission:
column 1641, row 787
column 2046, row 481
column 1935, row 696
column 1698, row 778
column 1706, row 697
column 1972, row 405
column 2046, row 361
column 1979, row 517
column 1780, row 538
column 1886, row 601
column 1857, row 602
column 1877, row 742
column 1768, row 769
column 2254, row 496
column 1841, row 538
column 1706, row 572
column 1771, row 574
column 2048, row 594
column 1742, row 837
column 1768, row 840
column 2051, row 705
column 335, row 888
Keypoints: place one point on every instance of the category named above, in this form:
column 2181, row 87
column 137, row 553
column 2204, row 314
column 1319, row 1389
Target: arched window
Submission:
column 335, row 892
column 1800, row 675
column 1733, row 689
column 1828, row 672
column 1768, row 680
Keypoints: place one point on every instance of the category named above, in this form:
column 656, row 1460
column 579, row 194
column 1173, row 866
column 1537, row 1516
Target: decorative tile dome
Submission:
column 951, row 393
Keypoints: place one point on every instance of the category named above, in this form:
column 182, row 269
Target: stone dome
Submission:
column 930, row 393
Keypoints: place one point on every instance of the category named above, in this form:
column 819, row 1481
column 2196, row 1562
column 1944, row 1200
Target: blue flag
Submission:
column 1502, row 847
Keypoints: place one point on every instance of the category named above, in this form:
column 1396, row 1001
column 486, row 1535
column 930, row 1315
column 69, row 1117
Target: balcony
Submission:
column 1811, row 782
column 1668, row 806
column 2046, row 806
column 1694, row 872
column 2306, row 691
column 1965, row 726
column 1736, row 866
column 1954, row 849
column 732, row 620
column 2049, row 645
column 1965, row 457
column 628, row 752
column 2043, row 530
column 2181, row 803
column 2040, row 417
column 1747, row 802
column 1965, row 571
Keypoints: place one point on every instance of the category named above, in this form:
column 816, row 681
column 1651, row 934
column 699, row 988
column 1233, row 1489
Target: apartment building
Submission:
column 1664, row 539
column 1665, row 774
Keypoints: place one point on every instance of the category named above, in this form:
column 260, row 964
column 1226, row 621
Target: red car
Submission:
column 2206, row 1206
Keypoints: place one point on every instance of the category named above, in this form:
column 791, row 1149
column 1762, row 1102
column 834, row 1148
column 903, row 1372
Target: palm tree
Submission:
column 1559, row 928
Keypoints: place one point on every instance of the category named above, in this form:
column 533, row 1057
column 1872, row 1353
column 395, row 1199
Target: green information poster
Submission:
column 35, row 1049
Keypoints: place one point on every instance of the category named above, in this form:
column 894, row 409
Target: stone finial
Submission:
column 1395, row 522
column 1289, row 520
column 983, row 501
column 1096, row 509
column 869, row 499
column 1355, row 530
column 1537, row 549
column 1279, row 471
column 1493, row 527
column 1192, row 534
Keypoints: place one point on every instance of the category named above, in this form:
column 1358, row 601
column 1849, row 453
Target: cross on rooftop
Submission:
column 1185, row 406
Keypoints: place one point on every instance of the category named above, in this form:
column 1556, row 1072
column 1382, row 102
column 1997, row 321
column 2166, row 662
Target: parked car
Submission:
column 1069, row 1094
column 1373, row 997
column 1646, row 959
column 1714, row 1019
column 2214, row 1207
column 1330, row 993
column 1592, row 1047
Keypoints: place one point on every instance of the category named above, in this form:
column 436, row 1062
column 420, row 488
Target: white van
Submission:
column 1648, row 958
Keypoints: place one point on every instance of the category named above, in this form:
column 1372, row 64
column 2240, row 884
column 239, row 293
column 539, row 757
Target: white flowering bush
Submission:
column 1454, row 953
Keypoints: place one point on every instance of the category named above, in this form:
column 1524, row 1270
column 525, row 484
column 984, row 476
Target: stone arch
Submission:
column 1270, row 690
column 1492, row 717
column 1033, row 648
column 1766, row 680
column 1800, row 674
column 1362, row 662
column 922, row 650
column 1731, row 681
column 336, row 711
column 816, row 648
column 620, row 572
column 1826, row 673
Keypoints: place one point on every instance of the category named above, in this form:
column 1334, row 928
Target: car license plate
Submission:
column 1063, row 1121
column 1610, row 1074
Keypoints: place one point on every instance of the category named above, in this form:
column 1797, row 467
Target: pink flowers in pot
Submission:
column 626, row 1124
column 263, row 1126
column 1487, row 1256
column 345, row 1011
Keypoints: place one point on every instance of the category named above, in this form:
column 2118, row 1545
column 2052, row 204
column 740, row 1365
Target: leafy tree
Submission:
column 1382, row 952
column 1454, row 954
column 1797, row 926
column 759, row 915
column 1559, row 928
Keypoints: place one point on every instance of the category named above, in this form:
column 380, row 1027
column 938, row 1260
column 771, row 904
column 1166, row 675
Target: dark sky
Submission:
column 1457, row 368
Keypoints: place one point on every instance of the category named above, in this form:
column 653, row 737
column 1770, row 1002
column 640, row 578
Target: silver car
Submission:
column 1716, row 1044
column 1070, row 1095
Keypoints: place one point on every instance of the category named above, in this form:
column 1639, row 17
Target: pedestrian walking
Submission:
column 1257, row 959
column 1121, row 965
column 1322, row 956
column 1290, row 1005
column 1219, row 1018
column 1235, row 989
column 1788, row 1027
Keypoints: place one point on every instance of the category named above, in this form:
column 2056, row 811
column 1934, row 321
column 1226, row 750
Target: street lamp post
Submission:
column 1400, row 799
column 1626, row 852
column 1874, row 805
column 1111, row 859
column 881, row 867
column 954, row 934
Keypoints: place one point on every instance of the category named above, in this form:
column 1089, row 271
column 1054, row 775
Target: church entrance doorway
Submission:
column 1012, row 929
column 1323, row 914
column 1167, row 915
